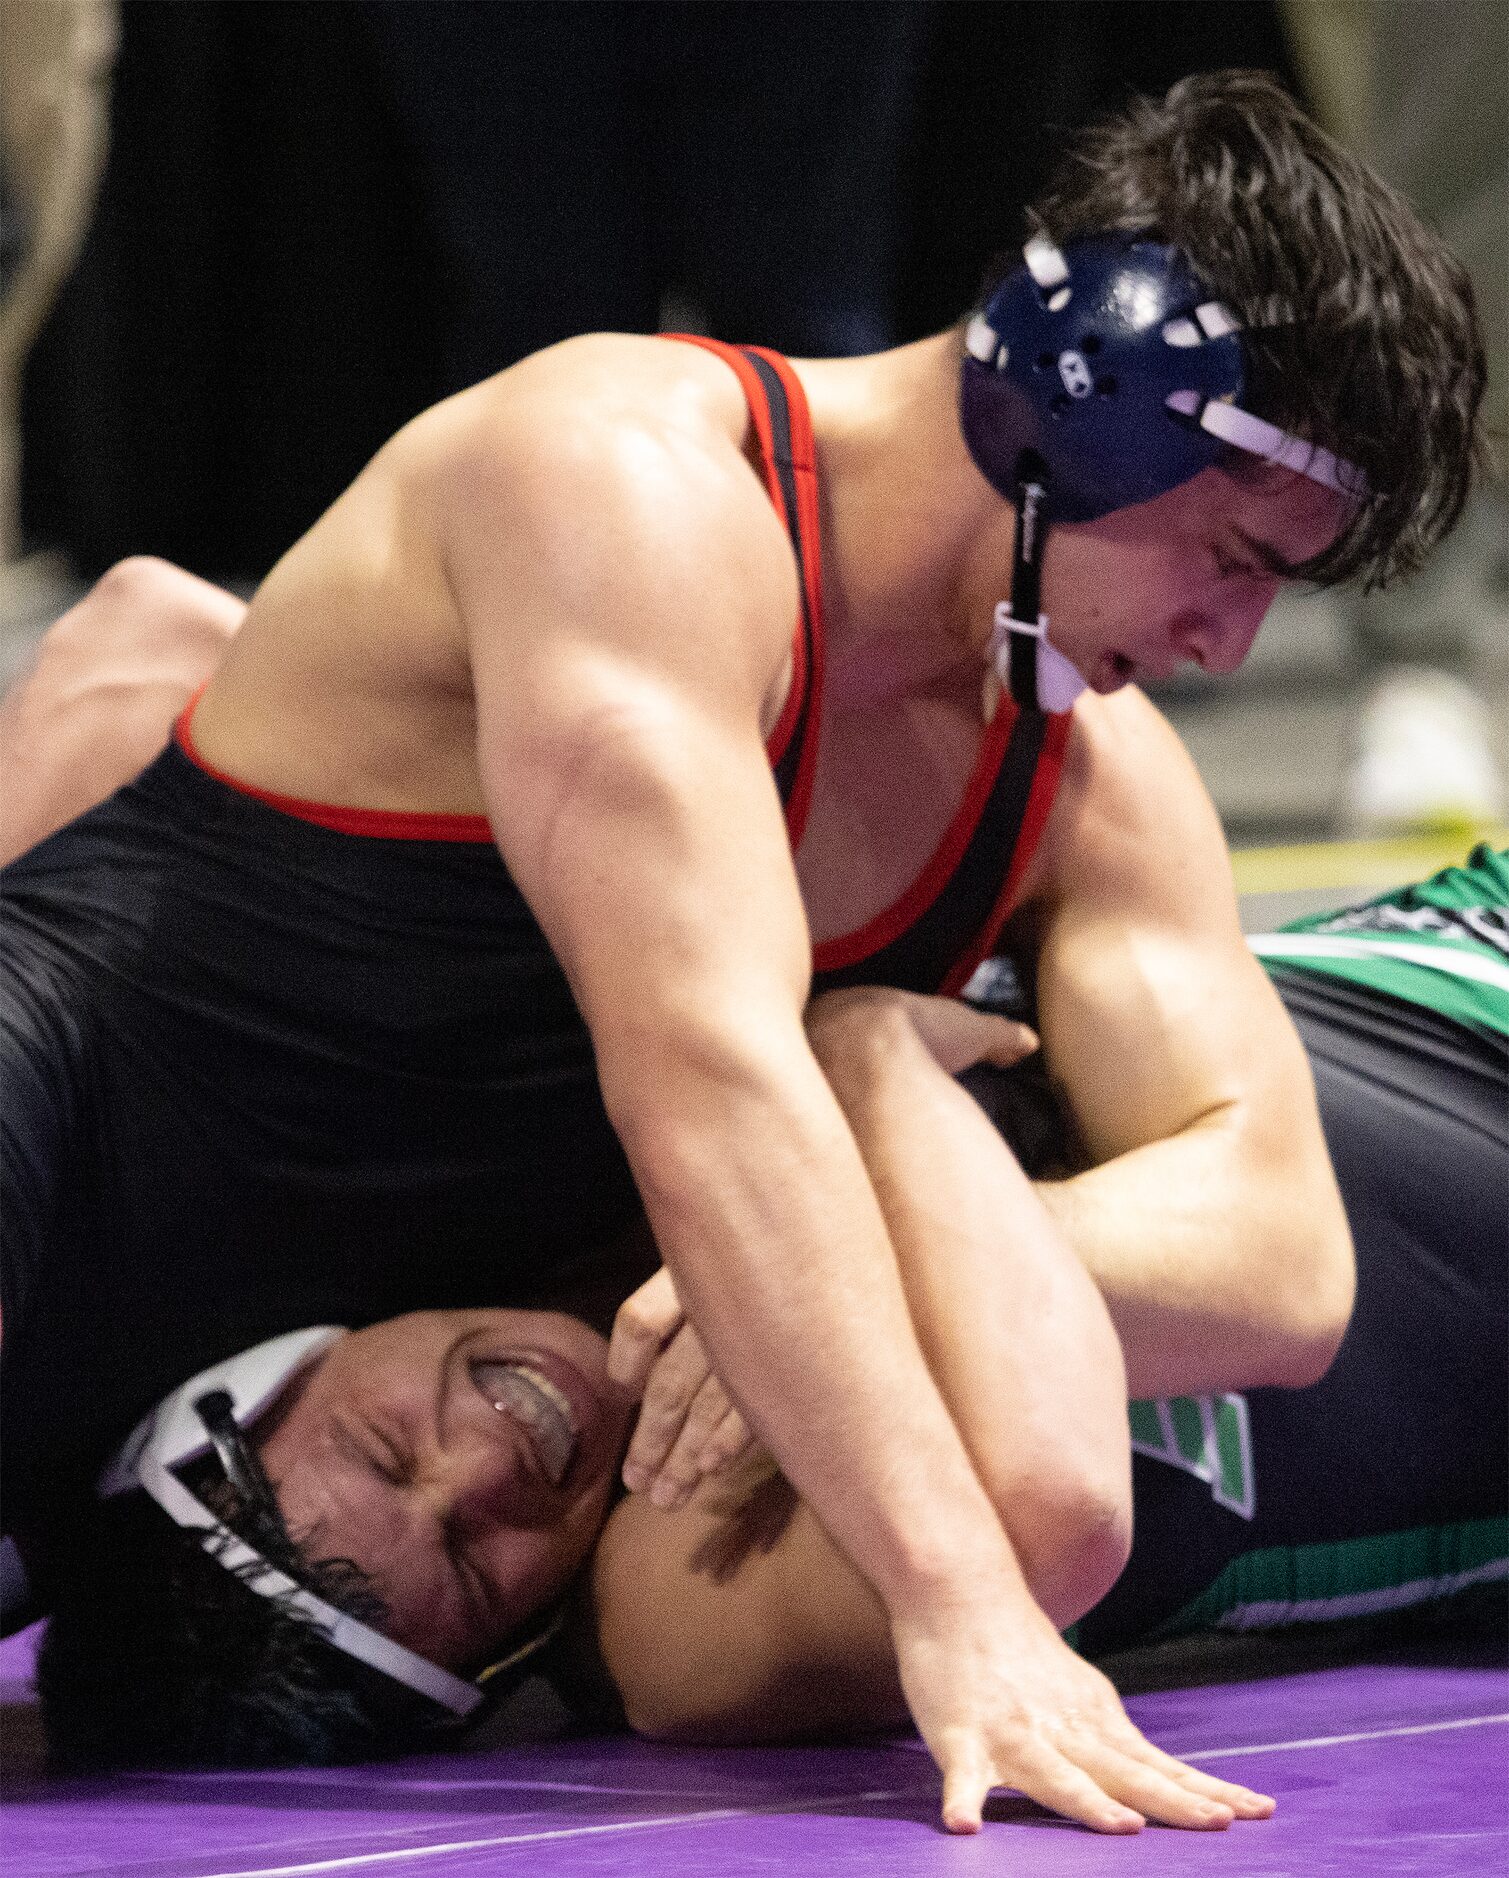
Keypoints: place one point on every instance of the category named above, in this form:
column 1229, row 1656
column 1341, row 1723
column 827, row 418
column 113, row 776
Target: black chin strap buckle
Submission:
column 242, row 1469
column 1034, row 671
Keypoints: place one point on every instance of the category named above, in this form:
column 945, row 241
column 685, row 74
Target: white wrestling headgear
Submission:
column 208, row 1414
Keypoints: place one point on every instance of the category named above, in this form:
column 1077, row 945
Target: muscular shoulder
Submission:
column 603, row 464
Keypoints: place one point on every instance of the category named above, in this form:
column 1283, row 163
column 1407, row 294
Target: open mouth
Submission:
column 538, row 1407
column 1114, row 670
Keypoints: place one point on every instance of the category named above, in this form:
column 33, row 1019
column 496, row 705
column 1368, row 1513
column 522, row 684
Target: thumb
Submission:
column 646, row 1319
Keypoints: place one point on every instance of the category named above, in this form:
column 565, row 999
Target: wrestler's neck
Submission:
column 913, row 536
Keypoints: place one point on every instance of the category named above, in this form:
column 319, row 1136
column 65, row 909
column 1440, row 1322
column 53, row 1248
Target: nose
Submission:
column 1218, row 642
column 472, row 1487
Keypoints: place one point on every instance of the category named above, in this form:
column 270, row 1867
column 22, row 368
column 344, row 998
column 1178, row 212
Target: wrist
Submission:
column 956, row 1560
column 859, row 1030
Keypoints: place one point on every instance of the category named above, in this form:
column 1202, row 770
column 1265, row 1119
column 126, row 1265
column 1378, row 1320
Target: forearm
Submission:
column 1014, row 1332
column 767, row 1220
column 1224, row 1266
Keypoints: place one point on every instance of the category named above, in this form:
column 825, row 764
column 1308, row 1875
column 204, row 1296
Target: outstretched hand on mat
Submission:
column 1002, row 1701
column 687, row 1426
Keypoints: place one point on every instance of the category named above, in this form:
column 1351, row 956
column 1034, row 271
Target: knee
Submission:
column 148, row 609
column 138, row 577
column 1319, row 1301
column 137, row 586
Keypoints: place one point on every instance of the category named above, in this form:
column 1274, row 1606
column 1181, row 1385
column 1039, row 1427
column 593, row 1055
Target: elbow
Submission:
column 849, row 1026
column 686, row 1698
column 1310, row 1348
column 654, row 1718
column 659, row 1682
column 1072, row 1537
column 857, row 1035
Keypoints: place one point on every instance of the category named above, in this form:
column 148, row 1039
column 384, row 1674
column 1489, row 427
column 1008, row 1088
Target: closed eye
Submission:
column 1265, row 561
column 1230, row 567
column 378, row 1453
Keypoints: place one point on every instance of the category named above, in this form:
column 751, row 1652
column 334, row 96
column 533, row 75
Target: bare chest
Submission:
column 891, row 778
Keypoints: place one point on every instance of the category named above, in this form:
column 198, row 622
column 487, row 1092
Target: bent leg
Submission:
column 99, row 700
column 1416, row 1114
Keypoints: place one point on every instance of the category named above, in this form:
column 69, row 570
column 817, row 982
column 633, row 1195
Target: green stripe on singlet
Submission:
column 1204, row 1435
column 1313, row 1584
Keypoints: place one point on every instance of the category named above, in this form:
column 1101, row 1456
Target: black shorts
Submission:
column 1386, row 1484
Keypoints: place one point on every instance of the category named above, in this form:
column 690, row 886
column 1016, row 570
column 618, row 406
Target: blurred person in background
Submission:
column 318, row 220
column 54, row 114
column 588, row 167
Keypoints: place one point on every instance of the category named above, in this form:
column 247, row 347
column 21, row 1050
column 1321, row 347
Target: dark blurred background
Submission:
column 245, row 240
column 314, row 219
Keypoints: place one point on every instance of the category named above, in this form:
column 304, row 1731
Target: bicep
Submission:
column 621, row 671
column 650, row 842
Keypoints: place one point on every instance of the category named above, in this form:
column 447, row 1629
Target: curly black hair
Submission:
column 1362, row 330
column 158, row 1654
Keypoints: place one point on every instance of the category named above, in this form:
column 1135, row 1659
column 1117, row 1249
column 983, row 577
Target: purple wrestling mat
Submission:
column 1380, row 1768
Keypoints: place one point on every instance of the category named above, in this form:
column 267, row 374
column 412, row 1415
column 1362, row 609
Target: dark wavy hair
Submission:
column 158, row 1654
column 1363, row 334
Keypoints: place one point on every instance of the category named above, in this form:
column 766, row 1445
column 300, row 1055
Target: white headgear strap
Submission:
column 173, row 1435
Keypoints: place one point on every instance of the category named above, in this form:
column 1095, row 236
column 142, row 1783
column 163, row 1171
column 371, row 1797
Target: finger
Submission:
column 967, row 1780
column 1245, row 1802
column 682, row 1467
column 1010, row 1042
column 730, row 1441
column 677, row 1376
column 1150, row 1789
column 644, row 1322
column 1053, row 1780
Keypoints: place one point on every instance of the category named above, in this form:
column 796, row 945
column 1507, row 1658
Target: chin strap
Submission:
column 1034, row 671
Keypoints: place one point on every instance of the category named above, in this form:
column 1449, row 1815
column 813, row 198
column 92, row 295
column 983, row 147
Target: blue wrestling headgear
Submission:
column 1095, row 377
column 209, row 1414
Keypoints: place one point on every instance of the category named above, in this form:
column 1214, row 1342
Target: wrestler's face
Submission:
column 1186, row 577
column 463, row 1459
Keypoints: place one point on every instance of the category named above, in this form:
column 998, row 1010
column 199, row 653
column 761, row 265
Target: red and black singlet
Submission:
column 947, row 921
column 270, row 1062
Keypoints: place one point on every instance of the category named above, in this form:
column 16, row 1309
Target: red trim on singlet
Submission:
column 804, row 473
column 1040, row 797
column 804, row 683
column 831, row 955
column 852, row 948
column 388, row 824
column 412, row 825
